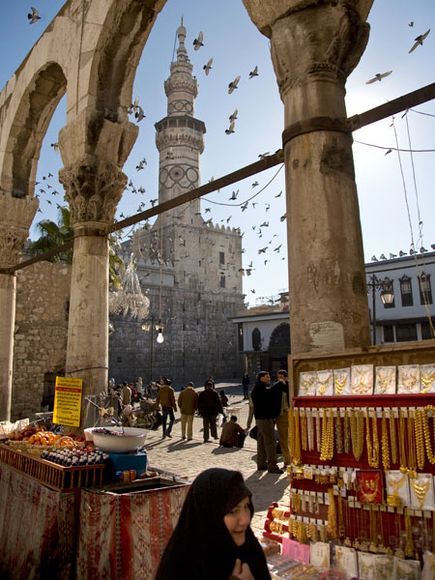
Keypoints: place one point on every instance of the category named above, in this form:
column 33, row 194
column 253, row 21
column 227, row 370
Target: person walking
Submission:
column 246, row 381
column 233, row 435
column 282, row 423
column 209, row 406
column 126, row 394
column 166, row 399
column 266, row 398
column 188, row 404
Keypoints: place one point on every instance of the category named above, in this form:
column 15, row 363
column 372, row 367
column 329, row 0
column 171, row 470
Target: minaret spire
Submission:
column 182, row 55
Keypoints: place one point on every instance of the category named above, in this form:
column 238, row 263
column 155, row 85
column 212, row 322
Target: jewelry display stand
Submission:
column 363, row 468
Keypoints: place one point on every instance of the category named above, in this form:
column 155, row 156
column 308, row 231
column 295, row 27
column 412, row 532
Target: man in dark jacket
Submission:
column 209, row 406
column 266, row 398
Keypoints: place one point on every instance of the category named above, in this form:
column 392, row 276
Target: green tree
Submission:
column 54, row 234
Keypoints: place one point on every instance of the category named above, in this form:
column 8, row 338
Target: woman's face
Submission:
column 238, row 520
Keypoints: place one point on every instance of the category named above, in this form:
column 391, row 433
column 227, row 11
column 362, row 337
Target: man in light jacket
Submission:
column 166, row 399
column 188, row 404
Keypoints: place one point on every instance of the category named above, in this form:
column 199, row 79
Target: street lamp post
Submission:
column 385, row 287
column 150, row 325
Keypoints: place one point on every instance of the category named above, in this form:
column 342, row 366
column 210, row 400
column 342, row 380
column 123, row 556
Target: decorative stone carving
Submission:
column 191, row 139
column 93, row 188
column 16, row 215
column 328, row 39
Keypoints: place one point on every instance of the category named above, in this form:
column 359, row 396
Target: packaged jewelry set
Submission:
column 367, row 379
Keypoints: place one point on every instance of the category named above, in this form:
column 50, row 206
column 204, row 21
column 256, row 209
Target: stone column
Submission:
column 93, row 188
column 314, row 48
column 16, row 215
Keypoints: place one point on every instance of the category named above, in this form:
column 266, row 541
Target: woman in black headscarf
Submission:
column 213, row 539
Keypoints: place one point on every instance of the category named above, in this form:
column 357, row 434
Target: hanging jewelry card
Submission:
column 369, row 486
column 384, row 567
column 408, row 380
column 361, row 379
column 422, row 492
column 320, row 554
column 409, row 569
column 346, row 560
column 427, row 378
column 325, row 383
column 385, row 380
column 307, row 384
column 397, row 485
column 342, row 381
column 366, row 566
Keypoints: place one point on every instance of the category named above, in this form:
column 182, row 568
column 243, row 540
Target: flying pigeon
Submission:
column 139, row 114
column 388, row 151
column 230, row 128
column 253, row 73
column 279, row 194
column 233, row 84
column 267, row 206
column 234, row 195
column 264, row 225
column 277, row 249
column 233, row 116
column 33, row 16
column 283, row 217
column 411, row 24
column 419, row 40
column 198, row 42
column 263, row 250
column 55, row 146
column 263, row 155
column 255, row 184
column 207, row 209
column 378, row 77
column 207, row 67
column 244, row 206
column 153, row 202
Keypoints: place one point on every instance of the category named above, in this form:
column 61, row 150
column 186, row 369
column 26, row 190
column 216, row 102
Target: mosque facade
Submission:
column 190, row 269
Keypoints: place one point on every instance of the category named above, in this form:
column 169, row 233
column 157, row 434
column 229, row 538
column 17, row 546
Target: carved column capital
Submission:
column 312, row 40
column 16, row 216
column 93, row 188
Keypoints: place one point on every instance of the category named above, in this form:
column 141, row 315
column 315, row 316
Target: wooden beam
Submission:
column 392, row 107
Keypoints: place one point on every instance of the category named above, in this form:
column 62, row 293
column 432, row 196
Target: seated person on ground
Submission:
column 232, row 434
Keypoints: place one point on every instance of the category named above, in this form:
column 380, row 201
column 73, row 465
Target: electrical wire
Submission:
column 420, row 223
column 249, row 198
column 394, row 148
column 422, row 113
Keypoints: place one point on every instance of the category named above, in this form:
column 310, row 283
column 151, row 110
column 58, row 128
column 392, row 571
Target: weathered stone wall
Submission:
column 40, row 332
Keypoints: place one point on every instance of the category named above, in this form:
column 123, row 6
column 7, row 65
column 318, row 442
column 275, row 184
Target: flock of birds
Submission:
column 137, row 111
column 418, row 41
column 401, row 254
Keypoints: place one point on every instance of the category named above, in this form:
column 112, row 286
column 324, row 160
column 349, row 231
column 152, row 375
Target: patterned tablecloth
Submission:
column 82, row 534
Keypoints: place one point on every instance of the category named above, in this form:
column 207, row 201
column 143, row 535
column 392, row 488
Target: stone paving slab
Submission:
column 189, row 458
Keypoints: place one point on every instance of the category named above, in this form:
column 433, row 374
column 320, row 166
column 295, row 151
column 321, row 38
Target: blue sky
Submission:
column 236, row 46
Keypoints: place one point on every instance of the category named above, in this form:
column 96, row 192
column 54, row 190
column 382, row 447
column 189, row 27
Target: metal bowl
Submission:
column 123, row 440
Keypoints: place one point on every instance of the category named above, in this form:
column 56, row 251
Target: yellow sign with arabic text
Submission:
column 67, row 401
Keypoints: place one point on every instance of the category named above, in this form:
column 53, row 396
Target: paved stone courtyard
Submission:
column 189, row 458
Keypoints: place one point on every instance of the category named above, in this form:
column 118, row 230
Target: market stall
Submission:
column 70, row 509
column 362, row 441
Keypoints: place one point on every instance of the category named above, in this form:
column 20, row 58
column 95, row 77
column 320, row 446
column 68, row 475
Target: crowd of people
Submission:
column 268, row 405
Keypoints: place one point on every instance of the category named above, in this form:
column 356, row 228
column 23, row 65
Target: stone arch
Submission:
column 30, row 124
column 279, row 343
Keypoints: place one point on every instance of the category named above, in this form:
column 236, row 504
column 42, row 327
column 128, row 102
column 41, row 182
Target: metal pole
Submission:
column 374, row 308
column 152, row 347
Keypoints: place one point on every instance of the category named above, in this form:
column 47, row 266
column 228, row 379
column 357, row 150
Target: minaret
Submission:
column 179, row 139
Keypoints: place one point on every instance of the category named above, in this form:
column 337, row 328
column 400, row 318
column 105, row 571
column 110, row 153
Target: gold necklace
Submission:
column 382, row 381
column 372, row 446
column 393, row 438
column 338, row 433
column 412, row 455
column 427, row 379
column 304, row 434
column 426, row 433
column 393, row 485
column 327, row 446
column 409, row 545
column 321, row 390
column 385, row 443
column 291, row 432
column 339, row 384
column 346, row 432
column 310, row 429
column 420, row 490
column 402, row 449
column 419, row 438
column 297, row 456
column 318, row 432
column 357, row 432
